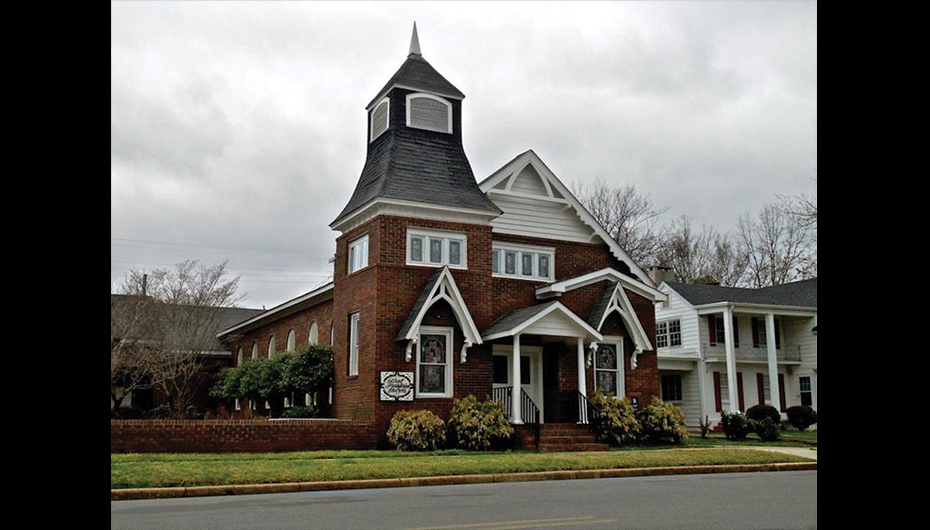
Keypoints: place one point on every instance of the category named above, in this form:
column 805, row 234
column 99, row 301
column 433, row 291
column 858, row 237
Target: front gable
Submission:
column 535, row 203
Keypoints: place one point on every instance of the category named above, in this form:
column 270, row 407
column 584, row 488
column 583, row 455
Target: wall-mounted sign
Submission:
column 396, row 386
column 635, row 402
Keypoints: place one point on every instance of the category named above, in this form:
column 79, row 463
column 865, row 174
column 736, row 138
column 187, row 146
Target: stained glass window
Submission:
column 606, row 369
column 433, row 364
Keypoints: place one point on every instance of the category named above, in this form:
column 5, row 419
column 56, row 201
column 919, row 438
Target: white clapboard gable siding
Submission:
column 679, row 308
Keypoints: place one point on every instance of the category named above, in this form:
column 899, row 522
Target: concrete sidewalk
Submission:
column 796, row 451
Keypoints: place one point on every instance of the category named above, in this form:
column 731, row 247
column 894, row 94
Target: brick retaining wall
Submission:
column 224, row 436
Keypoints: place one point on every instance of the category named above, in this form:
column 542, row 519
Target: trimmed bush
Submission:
column 417, row 430
column 662, row 422
column 615, row 421
column 736, row 426
column 762, row 411
column 801, row 416
column 767, row 430
column 479, row 426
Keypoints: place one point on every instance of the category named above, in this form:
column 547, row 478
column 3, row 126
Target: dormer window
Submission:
column 426, row 111
column 379, row 119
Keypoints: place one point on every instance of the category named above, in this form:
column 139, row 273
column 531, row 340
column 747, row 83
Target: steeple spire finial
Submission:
column 414, row 41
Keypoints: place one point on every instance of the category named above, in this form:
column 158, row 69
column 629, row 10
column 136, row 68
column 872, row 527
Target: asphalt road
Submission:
column 744, row 501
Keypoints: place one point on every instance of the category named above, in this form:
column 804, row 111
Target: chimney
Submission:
column 145, row 281
column 661, row 273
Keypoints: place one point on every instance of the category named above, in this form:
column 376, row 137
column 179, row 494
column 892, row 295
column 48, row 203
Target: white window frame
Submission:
column 503, row 249
column 371, row 120
column 435, row 98
column 427, row 236
column 354, row 258
column 617, row 342
column 450, row 336
column 665, row 334
column 353, row 344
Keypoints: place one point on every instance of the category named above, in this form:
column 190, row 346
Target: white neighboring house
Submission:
column 725, row 348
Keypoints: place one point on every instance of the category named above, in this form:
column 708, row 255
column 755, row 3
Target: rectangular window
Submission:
column 671, row 387
column 434, row 362
column 724, row 392
column 721, row 335
column 762, row 332
column 526, row 262
column 436, row 248
column 662, row 334
column 608, row 368
column 674, row 333
column 804, row 383
column 353, row 344
column 358, row 254
column 495, row 261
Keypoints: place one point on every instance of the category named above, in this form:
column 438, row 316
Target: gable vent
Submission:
column 379, row 119
column 429, row 112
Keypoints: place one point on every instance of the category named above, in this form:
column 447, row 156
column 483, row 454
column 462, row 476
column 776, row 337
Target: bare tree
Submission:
column 629, row 218
column 779, row 247
column 702, row 257
column 131, row 363
column 181, row 321
column 803, row 208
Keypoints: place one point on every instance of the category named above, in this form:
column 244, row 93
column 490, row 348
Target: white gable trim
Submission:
column 527, row 325
column 513, row 169
column 607, row 273
column 620, row 303
column 445, row 289
column 417, row 210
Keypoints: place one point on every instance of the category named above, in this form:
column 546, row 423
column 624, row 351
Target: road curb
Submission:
column 292, row 487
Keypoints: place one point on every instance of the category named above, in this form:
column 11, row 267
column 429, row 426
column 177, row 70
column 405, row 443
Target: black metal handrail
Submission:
column 504, row 395
column 530, row 413
column 579, row 409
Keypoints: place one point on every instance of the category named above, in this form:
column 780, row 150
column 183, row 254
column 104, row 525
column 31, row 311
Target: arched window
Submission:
column 426, row 111
column 239, row 357
column 380, row 118
column 314, row 334
column 291, row 340
column 255, row 350
column 271, row 347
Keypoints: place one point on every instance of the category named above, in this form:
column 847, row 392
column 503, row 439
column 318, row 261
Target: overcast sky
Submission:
column 238, row 129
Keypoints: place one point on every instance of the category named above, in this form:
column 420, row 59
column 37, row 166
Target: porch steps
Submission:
column 557, row 437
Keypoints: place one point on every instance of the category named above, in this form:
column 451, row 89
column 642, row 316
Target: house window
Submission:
column 271, row 350
column 434, row 366
column 668, row 333
column 608, row 368
column 358, row 254
column 291, row 341
column 720, row 331
column 526, row 262
column 671, row 387
column 436, row 248
column 239, row 357
column 353, row 344
column 766, row 389
column 380, row 118
column 433, row 113
column 804, row 383
column 255, row 350
column 724, row 392
column 314, row 334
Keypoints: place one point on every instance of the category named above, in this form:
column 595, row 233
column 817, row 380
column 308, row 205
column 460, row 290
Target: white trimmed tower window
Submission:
column 434, row 362
column 429, row 112
column 380, row 118
column 353, row 344
column 358, row 254
column 435, row 248
column 525, row 262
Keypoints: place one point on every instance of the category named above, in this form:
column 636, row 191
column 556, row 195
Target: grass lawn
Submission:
column 164, row 470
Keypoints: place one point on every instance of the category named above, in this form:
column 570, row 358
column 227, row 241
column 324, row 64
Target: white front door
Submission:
column 530, row 373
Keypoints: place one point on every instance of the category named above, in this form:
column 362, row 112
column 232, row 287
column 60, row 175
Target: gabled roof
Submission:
column 512, row 169
column 795, row 294
column 614, row 299
column 522, row 320
column 607, row 273
column 440, row 286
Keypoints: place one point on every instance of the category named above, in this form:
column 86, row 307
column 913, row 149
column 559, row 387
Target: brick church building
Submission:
column 445, row 286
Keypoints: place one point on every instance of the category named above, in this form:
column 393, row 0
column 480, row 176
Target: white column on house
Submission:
column 773, row 365
column 515, row 416
column 582, row 382
column 731, row 358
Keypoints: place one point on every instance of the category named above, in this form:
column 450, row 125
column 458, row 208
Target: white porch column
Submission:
column 773, row 365
column 731, row 358
column 582, row 382
column 515, row 398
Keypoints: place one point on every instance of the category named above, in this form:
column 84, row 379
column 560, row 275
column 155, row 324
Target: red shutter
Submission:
column 777, row 335
column 717, row 391
column 712, row 327
column 760, row 385
column 755, row 332
column 735, row 333
column 781, row 391
column 739, row 390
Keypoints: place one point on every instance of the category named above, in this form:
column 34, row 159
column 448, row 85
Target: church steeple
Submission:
column 415, row 152
column 414, row 42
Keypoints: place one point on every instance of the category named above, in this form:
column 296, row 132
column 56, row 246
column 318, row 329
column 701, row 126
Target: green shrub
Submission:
column 299, row 412
column 662, row 422
column 801, row 416
column 417, row 430
column 479, row 426
column 761, row 411
column 615, row 420
column 735, row 425
column 767, row 429
column 161, row 412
